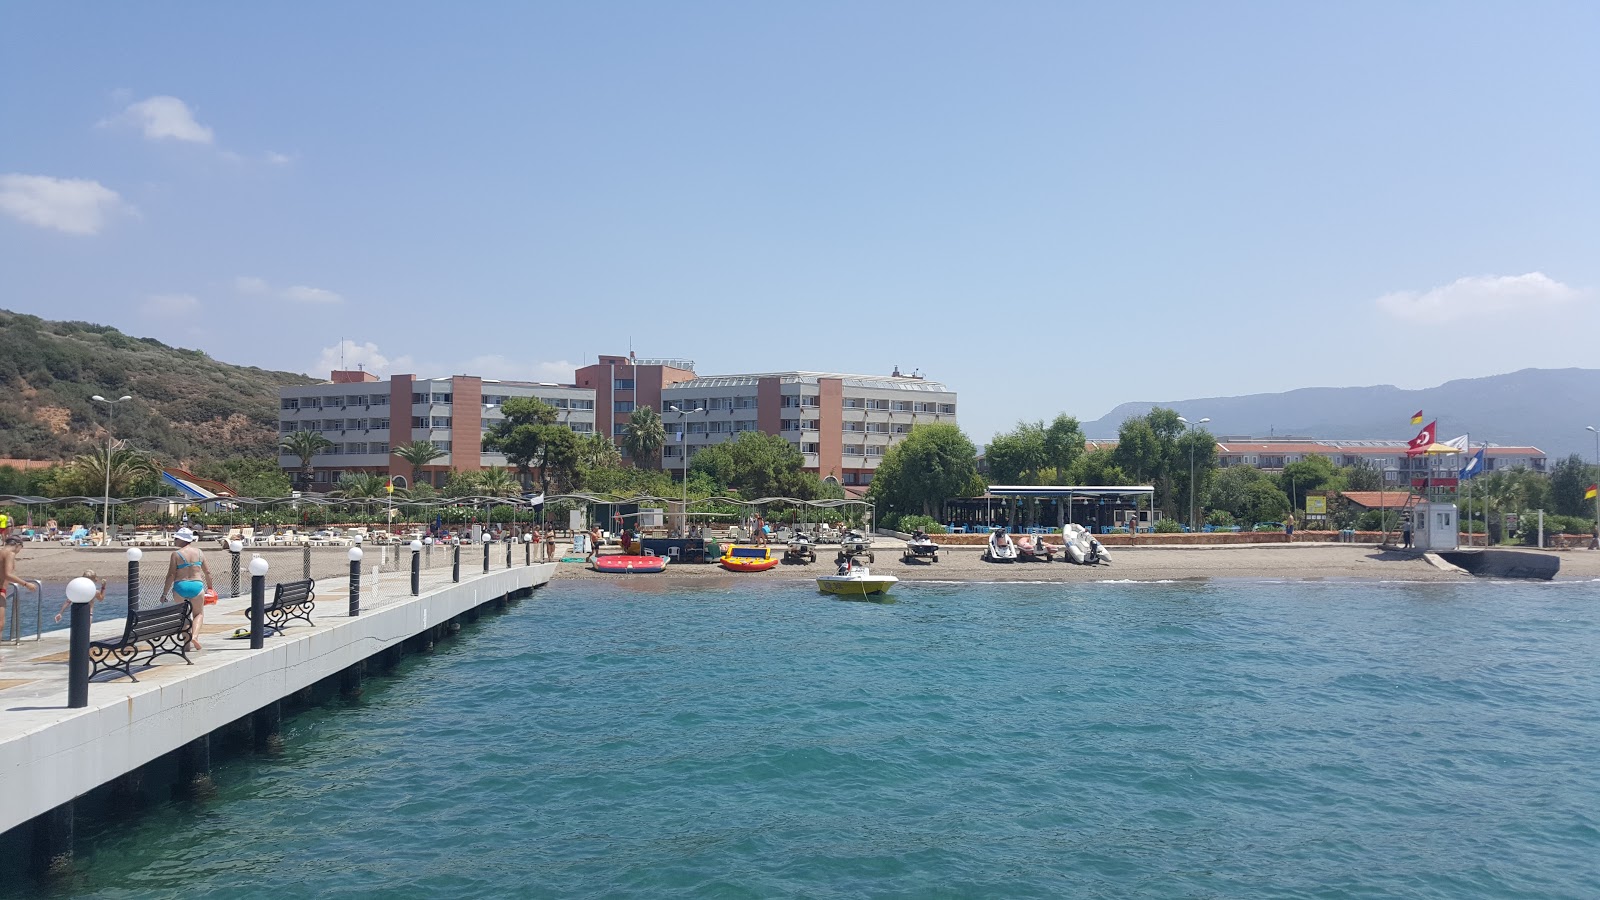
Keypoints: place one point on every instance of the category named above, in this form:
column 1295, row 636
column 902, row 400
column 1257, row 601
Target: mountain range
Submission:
column 1544, row 408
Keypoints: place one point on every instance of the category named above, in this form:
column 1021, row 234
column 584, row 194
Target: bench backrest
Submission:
column 290, row 593
column 158, row 621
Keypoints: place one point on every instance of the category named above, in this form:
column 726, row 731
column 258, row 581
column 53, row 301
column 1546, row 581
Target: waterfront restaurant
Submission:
column 1017, row 508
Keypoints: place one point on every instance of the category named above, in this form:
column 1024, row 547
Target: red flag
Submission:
column 1416, row 417
column 1423, row 440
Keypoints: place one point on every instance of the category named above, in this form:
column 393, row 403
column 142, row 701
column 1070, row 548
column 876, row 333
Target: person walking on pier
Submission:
column 181, row 580
column 549, row 543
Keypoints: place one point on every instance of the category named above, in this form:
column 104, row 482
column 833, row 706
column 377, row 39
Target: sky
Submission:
column 1050, row 207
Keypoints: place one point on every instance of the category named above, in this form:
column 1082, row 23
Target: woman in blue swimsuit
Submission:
column 189, row 577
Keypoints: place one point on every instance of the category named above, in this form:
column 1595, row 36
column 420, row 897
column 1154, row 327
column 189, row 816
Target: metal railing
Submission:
column 13, row 603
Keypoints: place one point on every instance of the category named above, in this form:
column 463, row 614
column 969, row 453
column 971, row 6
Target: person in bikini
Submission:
column 189, row 577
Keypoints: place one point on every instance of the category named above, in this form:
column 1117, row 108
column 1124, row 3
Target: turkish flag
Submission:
column 1423, row 440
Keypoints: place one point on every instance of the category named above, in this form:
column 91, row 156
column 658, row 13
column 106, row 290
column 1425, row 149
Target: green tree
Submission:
column 596, row 451
column 756, row 465
column 498, row 481
column 1063, row 443
column 1568, row 481
column 418, row 454
column 1263, row 502
column 87, row 473
column 1098, row 467
column 530, row 439
column 643, row 436
column 1018, row 456
column 1197, row 448
column 1147, row 449
column 305, row 444
column 936, row 462
column 1307, row 474
column 362, row 486
column 1363, row 476
column 248, row 476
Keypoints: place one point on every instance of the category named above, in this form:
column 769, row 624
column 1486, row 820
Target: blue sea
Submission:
column 1228, row 740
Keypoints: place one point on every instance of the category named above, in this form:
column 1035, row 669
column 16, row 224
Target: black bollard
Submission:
column 133, row 579
column 235, row 572
column 485, row 554
column 258, row 611
column 455, row 563
column 416, row 573
column 305, row 562
column 508, row 554
column 355, row 587
column 78, row 658
column 527, row 553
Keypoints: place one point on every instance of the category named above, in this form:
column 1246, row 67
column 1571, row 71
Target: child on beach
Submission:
column 98, row 596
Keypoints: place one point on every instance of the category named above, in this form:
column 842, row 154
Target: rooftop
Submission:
column 880, row 382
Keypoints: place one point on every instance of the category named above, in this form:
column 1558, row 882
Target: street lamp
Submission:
column 1597, row 472
column 111, row 414
column 1191, row 426
column 683, row 432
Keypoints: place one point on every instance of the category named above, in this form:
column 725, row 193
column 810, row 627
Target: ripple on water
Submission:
column 1111, row 740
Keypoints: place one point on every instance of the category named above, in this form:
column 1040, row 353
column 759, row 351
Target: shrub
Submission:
column 909, row 524
column 1220, row 517
column 1168, row 526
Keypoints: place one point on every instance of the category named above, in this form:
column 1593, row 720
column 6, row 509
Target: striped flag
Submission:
column 1590, row 493
column 1416, row 417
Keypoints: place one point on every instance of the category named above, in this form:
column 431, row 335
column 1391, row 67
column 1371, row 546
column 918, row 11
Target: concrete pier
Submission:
column 50, row 755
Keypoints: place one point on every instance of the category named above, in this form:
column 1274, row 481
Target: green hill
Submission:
column 187, row 408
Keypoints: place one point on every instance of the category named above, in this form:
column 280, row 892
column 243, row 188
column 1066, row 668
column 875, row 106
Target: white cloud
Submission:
column 72, row 205
column 278, row 159
column 170, row 304
column 1479, row 295
column 302, row 294
column 164, row 118
column 348, row 354
column 558, row 371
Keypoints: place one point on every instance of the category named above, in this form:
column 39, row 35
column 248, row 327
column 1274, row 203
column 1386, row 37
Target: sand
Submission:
column 1297, row 562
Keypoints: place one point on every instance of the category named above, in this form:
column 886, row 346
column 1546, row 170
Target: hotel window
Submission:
column 791, row 401
column 311, row 403
column 622, row 406
column 333, row 450
column 948, row 409
column 878, row 427
column 332, row 424
column 380, row 399
column 419, row 421
column 866, row 478
column 356, row 400
column 419, row 398
column 717, row 426
column 900, row 406
column 849, row 478
column 808, row 447
column 809, row 424
column 854, row 450
column 875, row 450
column 379, row 424
column 581, row 427
column 442, row 445
column 441, row 421
column 445, row 399
column 286, row 427
column 671, row 452
column 853, row 403
column 744, row 403
column 745, row 425
column 619, row 428
column 810, row 400
column 789, row 425
column 850, row 426
column 379, row 447
column 623, row 384
column 697, row 427
column 289, row 404
column 902, row 428
column 877, row 404
column 333, row 403
column 355, row 448
column 582, row 404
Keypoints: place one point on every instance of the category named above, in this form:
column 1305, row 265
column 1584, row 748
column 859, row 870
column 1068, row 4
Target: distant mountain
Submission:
column 186, row 406
column 1547, row 408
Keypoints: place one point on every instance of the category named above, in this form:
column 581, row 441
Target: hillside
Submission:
column 1547, row 408
column 187, row 407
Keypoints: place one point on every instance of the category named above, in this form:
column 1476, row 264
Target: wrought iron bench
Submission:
column 165, row 629
column 291, row 600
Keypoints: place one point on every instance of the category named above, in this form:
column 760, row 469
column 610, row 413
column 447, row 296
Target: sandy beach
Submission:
column 1298, row 562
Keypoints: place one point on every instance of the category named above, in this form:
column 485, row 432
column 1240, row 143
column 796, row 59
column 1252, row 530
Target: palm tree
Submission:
column 644, row 436
column 126, row 467
column 418, row 454
column 497, row 481
column 1499, row 491
column 596, row 451
column 362, row 486
column 305, row 444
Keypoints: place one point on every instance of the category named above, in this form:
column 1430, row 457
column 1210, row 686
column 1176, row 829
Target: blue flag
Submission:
column 1474, row 466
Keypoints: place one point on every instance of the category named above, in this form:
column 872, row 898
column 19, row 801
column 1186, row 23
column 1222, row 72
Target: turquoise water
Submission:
column 1114, row 740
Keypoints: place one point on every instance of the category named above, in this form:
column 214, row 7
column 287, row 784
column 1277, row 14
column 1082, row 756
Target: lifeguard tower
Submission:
column 1435, row 521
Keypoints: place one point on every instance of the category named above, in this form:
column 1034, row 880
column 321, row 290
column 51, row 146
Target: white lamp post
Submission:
column 1597, row 471
column 1191, row 426
column 111, row 415
column 684, row 431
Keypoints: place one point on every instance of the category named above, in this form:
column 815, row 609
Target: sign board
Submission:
column 574, row 520
column 651, row 518
column 1316, row 506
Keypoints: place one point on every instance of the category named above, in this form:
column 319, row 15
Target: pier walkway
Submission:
column 50, row 754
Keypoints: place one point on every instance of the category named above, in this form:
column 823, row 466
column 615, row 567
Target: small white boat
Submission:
column 1083, row 548
column 855, row 581
column 1001, row 549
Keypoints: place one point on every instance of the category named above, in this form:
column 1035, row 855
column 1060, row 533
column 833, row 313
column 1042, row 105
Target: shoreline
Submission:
column 1250, row 562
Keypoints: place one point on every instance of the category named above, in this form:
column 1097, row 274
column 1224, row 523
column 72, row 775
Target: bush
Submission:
column 1220, row 517
column 1168, row 526
column 909, row 524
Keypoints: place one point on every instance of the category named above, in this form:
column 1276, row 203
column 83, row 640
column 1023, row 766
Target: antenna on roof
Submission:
column 341, row 352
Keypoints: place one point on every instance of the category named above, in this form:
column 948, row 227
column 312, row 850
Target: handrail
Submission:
column 13, row 601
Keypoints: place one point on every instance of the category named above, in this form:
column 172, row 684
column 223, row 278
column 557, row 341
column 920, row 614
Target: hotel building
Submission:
column 366, row 418
column 842, row 424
